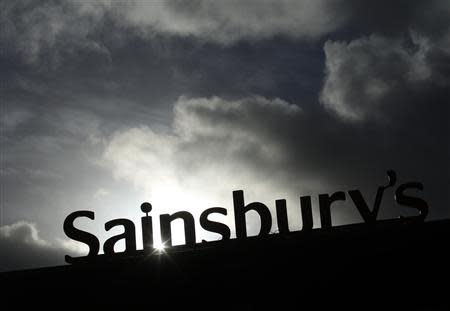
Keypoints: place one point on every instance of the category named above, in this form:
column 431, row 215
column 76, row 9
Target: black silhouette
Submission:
column 80, row 235
column 129, row 235
column 214, row 226
column 379, row 264
column 147, row 227
column 240, row 211
column 189, row 227
column 391, row 265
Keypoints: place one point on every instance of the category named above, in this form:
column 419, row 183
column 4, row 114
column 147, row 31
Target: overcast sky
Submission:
column 107, row 104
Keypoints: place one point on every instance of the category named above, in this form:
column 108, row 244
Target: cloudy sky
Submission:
column 107, row 104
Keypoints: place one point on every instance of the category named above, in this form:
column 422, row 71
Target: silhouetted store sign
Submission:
column 240, row 209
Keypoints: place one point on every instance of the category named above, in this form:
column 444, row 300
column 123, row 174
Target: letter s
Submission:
column 410, row 201
column 80, row 235
column 213, row 226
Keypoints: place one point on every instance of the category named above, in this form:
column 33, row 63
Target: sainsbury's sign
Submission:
column 241, row 208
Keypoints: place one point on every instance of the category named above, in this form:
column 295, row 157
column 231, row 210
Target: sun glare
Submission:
column 159, row 246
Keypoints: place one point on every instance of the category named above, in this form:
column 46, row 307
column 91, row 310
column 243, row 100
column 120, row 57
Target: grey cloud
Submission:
column 210, row 139
column 230, row 21
column 216, row 115
column 50, row 31
column 388, row 18
column 23, row 248
column 361, row 75
column 35, row 29
column 406, row 51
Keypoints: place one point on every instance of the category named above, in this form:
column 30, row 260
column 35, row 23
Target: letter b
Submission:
column 240, row 209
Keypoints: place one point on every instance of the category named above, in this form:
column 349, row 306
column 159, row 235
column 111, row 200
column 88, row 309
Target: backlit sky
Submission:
column 107, row 104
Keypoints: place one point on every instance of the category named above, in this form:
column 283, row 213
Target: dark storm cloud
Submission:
column 36, row 29
column 396, row 84
column 374, row 77
column 51, row 30
column 280, row 98
column 23, row 248
column 231, row 21
column 393, row 18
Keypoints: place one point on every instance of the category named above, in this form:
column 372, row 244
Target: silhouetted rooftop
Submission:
column 390, row 265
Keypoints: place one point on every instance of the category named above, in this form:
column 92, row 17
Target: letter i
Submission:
column 147, row 226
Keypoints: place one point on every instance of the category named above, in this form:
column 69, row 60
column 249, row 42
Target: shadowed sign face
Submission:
column 240, row 209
